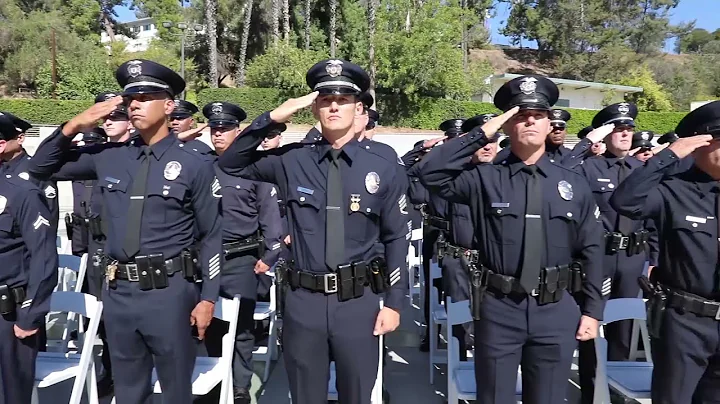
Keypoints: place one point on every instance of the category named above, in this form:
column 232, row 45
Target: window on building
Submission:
column 146, row 27
column 562, row 103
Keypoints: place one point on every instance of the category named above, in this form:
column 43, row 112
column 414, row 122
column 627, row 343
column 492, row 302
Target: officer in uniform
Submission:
column 157, row 192
column 28, row 276
column 642, row 141
column 15, row 162
column 117, row 125
column 181, row 119
column 532, row 219
column 684, row 303
column 554, row 143
column 342, row 198
column 252, row 240
column 372, row 116
column 274, row 138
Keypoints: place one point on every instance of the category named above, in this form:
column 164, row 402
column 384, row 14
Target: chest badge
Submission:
column 372, row 182
column 355, row 202
column 172, row 170
column 565, row 190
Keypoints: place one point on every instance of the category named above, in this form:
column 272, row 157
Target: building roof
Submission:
column 576, row 84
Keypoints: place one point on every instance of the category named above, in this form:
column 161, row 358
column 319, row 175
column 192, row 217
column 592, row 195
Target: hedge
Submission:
column 420, row 113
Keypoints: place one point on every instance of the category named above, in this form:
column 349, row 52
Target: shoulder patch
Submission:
column 215, row 187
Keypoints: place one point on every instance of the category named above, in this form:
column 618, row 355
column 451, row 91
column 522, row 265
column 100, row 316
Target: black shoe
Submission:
column 425, row 344
column 241, row 395
column 105, row 386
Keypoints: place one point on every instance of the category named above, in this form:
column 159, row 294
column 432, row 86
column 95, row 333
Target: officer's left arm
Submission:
column 395, row 228
column 591, row 254
column 33, row 218
column 208, row 221
column 270, row 222
column 638, row 196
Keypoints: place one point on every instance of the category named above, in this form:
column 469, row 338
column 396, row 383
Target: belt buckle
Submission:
column 717, row 314
column 131, row 270
column 330, row 281
column 624, row 242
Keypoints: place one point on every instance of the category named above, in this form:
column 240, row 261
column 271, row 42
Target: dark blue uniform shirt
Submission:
column 27, row 248
column 300, row 170
column 179, row 196
column 496, row 195
column 249, row 206
column 684, row 209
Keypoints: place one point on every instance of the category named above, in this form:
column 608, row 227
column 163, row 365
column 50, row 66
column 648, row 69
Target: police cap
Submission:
column 527, row 92
column 505, row 142
column 11, row 126
column 223, row 114
column 620, row 114
column 642, row 139
column 140, row 76
column 120, row 111
column 669, row 137
column 94, row 135
column 452, row 127
column 183, row 109
column 702, row 121
column 367, row 99
column 559, row 118
column 584, row 132
column 276, row 130
column 373, row 116
column 335, row 76
column 477, row 120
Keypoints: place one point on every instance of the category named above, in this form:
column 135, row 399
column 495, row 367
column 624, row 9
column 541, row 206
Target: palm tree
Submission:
column 286, row 20
column 211, row 27
column 308, row 9
column 243, row 43
column 275, row 21
column 372, row 7
column 333, row 26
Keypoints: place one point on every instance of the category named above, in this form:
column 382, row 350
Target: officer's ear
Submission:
column 3, row 146
column 315, row 112
column 169, row 106
column 20, row 139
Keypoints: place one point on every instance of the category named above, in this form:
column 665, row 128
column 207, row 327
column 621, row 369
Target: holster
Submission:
column 190, row 260
column 7, row 300
column 99, row 263
column 378, row 276
column 478, row 285
column 576, row 277
column 351, row 279
column 95, row 227
column 281, row 283
column 638, row 240
column 69, row 226
column 656, row 306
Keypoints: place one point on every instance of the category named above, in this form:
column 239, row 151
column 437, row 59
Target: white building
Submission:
column 145, row 31
column 573, row 93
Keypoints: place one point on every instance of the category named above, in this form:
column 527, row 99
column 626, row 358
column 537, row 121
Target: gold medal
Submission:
column 354, row 202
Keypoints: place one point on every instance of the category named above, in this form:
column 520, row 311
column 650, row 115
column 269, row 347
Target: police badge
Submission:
column 172, row 170
column 624, row 108
column 354, row 202
column 134, row 68
column 217, row 108
column 528, row 85
column 372, row 182
column 565, row 190
column 334, row 68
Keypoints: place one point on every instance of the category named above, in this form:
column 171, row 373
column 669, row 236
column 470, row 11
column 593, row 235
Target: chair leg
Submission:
column 35, row 399
column 91, row 382
column 432, row 335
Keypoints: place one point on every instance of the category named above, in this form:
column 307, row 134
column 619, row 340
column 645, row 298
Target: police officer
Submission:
column 532, row 218
column 27, row 278
column 372, row 115
column 76, row 226
column 117, row 125
column 626, row 241
column 181, row 119
column 642, row 141
column 274, row 138
column 15, row 161
column 342, row 198
column 252, row 240
column 589, row 146
column 682, row 315
column 157, row 191
column 554, row 144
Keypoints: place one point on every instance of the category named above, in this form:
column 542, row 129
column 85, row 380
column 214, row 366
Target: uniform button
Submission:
column 165, row 192
column 367, row 210
column 602, row 188
column 569, row 214
column 472, row 137
column 237, row 186
column 694, row 224
column 302, row 199
column 367, row 147
column 8, row 176
column 110, row 185
column 499, row 211
column 181, row 145
column 611, row 186
column 552, row 161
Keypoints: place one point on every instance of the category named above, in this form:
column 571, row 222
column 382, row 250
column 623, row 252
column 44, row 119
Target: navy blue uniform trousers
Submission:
column 686, row 360
column 151, row 328
column 17, row 363
column 237, row 279
column 317, row 326
column 514, row 330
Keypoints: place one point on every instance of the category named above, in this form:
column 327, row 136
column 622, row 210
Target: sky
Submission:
column 704, row 12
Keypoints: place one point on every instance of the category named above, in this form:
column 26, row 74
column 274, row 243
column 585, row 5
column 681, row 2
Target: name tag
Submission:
column 499, row 205
column 113, row 180
column 306, row 190
column 603, row 179
column 696, row 219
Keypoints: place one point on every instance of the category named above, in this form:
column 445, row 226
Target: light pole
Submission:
column 182, row 26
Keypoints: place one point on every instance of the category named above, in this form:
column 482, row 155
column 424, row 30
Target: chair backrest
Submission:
column 416, row 234
column 74, row 302
column 435, row 271
column 624, row 309
column 68, row 261
column 458, row 312
column 227, row 310
column 602, row 389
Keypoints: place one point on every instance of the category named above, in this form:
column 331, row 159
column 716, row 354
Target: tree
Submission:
column 242, row 60
column 653, row 97
column 307, row 13
column 333, row 27
column 78, row 79
column 693, row 41
column 275, row 21
column 211, row 36
column 652, row 26
column 286, row 20
column 282, row 67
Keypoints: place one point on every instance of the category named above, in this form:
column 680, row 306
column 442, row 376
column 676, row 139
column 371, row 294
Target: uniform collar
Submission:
column 703, row 181
column 516, row 165
column 16, row 161
column 158, row 149
column 350, row 149
column 630, row 161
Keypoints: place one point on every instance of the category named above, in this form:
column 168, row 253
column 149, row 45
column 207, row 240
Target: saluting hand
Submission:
column 287, row 109
column 191, row 133
column 201, row 317
column 686, row 145
column 588, row 329
column 387, row 321
column 491, row 127
column 657, row 149
column 430, row 143
column 89, row 118
column 600, row 133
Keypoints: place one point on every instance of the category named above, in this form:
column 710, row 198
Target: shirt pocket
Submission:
column 507, row 222
column 6, row 223
column 171, row 207
column 562, row 224
column 696, row 230
column 363, row 217
column 115, row 196
column 305, row 208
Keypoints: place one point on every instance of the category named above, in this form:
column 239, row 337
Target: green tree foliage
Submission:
column 282, row 67
column 78, row 79
column 693, row 41
column 653, row 97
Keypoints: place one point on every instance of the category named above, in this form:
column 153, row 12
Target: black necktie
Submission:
column 335, row 215
column 624, row 224
column 131, row 246
column 534, row 237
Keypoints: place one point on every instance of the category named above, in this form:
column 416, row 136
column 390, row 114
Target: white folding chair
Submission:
column 63, row 245
column 53, row 368
column 209, row 372
column 461, row 374
column 631, row 379
column 267, row 311
column 438, row 317
column 69, row 266
column 414, row 263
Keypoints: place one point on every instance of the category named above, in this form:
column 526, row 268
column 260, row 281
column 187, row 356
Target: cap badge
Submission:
column 645, row 136
column 134, row 68
column 334, row 67
column 486, row 118
column 172, row 170
column 557, row 113
column 458, row 124
column 372, row 182
column 624, row 108
column 217, row 108
column 177, row 103
column 565, row 190
column 528, row 85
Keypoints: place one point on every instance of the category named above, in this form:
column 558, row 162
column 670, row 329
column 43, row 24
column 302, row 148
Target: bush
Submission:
column 395, row 110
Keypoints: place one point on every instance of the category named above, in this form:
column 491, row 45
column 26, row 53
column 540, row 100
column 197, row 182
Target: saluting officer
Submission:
column 27, row 279
column 117, row 125
column 669, row 137
column 683, row 310
column 156, row 191
column 342, row 198
column 532, row 218
column 642, row 141
column 15, row 161
column 273, row 138
column 252, row 240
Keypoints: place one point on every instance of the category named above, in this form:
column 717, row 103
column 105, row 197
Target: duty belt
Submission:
column 437, row 222
column 245, row 245
column 10, row 297
column 448, row 250
column 634, row 243
column 131, row 272
column 552, row 279
column 694, row 304
column 348, row 281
